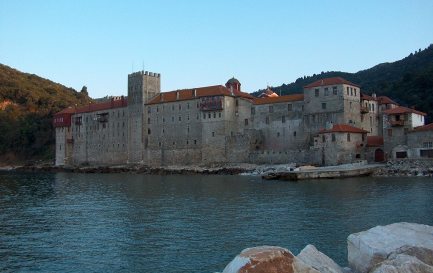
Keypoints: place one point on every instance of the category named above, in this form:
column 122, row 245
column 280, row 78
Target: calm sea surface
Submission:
column 140, row 223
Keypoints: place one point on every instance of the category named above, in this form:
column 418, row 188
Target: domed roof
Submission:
column 233, row 81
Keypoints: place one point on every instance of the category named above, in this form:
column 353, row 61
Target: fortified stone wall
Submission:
column 100, row 137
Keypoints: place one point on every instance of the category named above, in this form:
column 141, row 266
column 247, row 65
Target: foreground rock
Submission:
column 267, row 259
column 317, row 260
column 400, row 247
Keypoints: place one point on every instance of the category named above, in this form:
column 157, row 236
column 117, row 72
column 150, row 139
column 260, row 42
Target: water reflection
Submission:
column 126, row 222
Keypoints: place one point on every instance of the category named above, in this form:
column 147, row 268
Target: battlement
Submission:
column 147, row 73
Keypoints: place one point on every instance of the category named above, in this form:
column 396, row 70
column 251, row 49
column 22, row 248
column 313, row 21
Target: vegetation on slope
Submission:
column 408, row 81
column 27, row 105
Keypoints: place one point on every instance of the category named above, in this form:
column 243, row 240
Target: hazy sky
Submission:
column 199, row 43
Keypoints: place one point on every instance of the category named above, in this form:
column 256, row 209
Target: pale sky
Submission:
column 200, row 43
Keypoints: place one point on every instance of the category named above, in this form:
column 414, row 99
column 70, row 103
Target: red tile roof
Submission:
column 188, row 94
column 111, row 104
column 402, row 110
column 374, row 141
column 386, row 100
column 287, row 98
column 343, row 128
column 330, row 81
column 428, row 127
column 367, row 97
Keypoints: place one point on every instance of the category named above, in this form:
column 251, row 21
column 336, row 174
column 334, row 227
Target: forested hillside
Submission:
column 27, row 105
column 408, row 81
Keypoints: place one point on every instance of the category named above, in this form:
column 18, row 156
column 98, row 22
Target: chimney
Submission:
column 373, row 95
column 195, row 93
column 177, row 95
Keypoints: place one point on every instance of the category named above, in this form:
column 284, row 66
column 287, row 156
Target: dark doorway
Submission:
column 379, row 155
column 401, row 154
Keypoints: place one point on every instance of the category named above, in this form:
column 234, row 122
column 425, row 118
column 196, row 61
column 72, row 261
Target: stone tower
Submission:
column 142, row 86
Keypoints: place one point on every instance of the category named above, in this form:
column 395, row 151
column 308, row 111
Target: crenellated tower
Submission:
column 142, row 86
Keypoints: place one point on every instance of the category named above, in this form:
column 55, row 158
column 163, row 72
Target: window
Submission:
column 172, row 119
column 333, row 137
column 294, row 133
column 347, row 89
column 237, row 102
column 187, row 105
column 209, row 115
column 323, row 105
column 148, row 131
column 350, row 105
column 148, row 120
column 204, row 115
column 348, row 137
column 389, row 132
column 213, row 134
column 283, row 119
column 195, row 141
column 351, row 91
column 271, row 108
column 354, row 91
column 278, row 134
column 334, row 90
column 316, row 92
column 246, row 122
column 180, row 118
column 267, row 120
column 219, row 114
column 406, row 130
column 159, row 144
column 428, row 144
column 289, row 107
column 323, row 138
column 214, row 115
column 180, row 107
column 326, row 91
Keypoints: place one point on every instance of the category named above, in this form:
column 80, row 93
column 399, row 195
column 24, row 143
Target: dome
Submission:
column 233, row 81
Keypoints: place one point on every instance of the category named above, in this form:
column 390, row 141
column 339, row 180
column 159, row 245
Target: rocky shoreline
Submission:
column 396, row 248
column 394, row 168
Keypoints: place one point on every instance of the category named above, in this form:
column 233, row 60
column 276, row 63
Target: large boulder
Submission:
column 319, row 261
column 267, row 259
column 368, row 249
column 402, row 263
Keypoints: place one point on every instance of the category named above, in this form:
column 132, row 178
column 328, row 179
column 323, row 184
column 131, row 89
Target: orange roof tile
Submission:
column 287, row 98
column 367, row 97
column 188, row 94
column 111, row 104
column 343, row 128
column 374, row 141
column 329, row 81
column 386, row 100
column 427, row 127
column 402, row 110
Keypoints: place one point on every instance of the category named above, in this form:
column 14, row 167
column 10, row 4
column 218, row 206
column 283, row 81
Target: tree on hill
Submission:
column 26, row 121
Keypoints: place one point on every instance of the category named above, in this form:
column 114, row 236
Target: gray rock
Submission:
column 369, row 248
column 319, row 261
column 402, row 263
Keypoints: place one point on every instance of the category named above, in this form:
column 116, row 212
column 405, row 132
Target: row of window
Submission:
column 174, row 142
column 207, row 115
column 326, row 91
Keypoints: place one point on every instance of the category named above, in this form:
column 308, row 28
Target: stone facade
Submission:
column 325, row 125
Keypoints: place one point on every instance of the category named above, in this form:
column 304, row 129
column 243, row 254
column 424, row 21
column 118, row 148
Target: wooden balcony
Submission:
column 364, row 109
